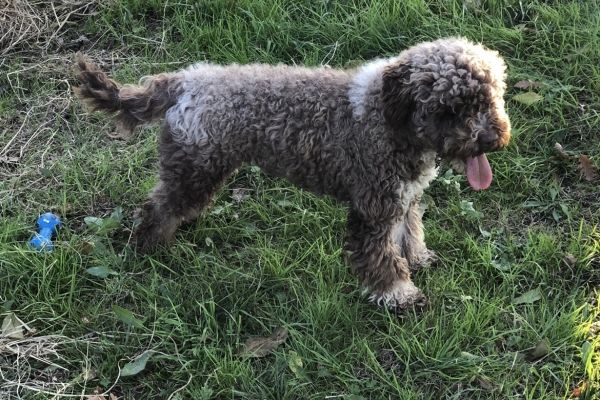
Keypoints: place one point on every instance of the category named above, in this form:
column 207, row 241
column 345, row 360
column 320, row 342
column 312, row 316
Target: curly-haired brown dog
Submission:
column 368, row 136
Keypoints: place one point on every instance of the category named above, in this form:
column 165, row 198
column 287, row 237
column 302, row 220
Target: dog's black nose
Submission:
column 488, row 138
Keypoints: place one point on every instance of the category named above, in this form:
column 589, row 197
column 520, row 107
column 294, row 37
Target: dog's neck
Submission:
column 365, row 86
column 411, row 163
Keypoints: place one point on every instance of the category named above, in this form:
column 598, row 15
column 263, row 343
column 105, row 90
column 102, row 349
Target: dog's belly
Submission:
column 312, row 175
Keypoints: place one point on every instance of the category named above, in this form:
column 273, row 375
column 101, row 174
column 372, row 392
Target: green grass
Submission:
column 275, row 259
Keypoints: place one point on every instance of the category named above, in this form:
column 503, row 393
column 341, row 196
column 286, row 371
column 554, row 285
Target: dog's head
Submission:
column 447, row 96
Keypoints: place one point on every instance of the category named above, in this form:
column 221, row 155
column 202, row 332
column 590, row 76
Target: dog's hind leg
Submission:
column 189, row 176
column 376, row 259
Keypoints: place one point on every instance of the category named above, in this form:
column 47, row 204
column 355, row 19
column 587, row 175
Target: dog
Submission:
column 368, row 136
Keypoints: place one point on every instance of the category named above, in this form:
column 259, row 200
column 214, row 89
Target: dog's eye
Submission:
column 446, row 120
column 448, row 115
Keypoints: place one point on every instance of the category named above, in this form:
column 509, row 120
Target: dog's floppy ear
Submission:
column 396, row 94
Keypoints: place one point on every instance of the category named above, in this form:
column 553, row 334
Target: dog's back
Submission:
column 291, row 121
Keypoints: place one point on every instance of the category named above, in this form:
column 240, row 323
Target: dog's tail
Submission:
column 132, row 104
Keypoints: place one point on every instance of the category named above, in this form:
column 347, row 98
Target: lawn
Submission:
column 515, row 300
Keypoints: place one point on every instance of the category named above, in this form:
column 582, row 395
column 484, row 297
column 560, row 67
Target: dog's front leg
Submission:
column 409, row 236
column 376, row 259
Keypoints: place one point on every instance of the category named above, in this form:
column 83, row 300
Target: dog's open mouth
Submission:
column 479, row 172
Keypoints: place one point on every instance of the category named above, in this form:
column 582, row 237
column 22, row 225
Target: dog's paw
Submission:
column 146, row 235
column 143, row 242
column 426, row 259
column 400, row 297
column 143, row 245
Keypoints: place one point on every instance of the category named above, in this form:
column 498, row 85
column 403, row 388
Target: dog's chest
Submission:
column 410, row 190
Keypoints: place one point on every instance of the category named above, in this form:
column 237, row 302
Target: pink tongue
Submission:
column 479, row 172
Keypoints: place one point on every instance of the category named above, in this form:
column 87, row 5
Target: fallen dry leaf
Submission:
column 13, row 327
column 540, row 350
column 569, row 259
column 594, row 330
column 263, row 346
column 579, row 390
column 588, row 170
column 525, row 28
column 9, row 160
column 561, row 151
column 527, row 84
column 486, row 384
column 99, row 396
column 87, row 247
column 240, row 194
column 528, row 98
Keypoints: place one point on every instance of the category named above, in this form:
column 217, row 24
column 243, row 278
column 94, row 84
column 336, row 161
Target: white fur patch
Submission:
column 185, row 121
column 185, row 117
column 411, row 189
column 401, row 294
column 398, row 232
column 367, row 78
column 408, row 191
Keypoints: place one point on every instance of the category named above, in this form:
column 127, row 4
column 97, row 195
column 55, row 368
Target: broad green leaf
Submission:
column 565, row 209
column 468, row 210
column 471, row 356
column 12, row 327
column 7, row 305
column 323, row 372
column 501, row 265
column 540, row 350
column 46, row 173
column 217, row 210
column 109, row 224
column 93, row 245
column 587, row 352
column 354, row 397
column 484, row 233
column 100, row 272
column 530, row 297
column 556, row 215
column 528, row 98
column 93, row 222
column 527, row 84
column 127, row 317
column 117, row 214
column 102, row 226
column 295, row 364
column 136, row 366
column 286, row 203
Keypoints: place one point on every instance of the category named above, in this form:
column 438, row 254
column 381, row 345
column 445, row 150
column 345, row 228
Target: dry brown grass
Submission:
column 39, row 364
column 37, row 42
column 32, row 28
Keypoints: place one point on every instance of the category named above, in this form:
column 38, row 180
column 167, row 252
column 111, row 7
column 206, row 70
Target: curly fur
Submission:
column 133, row 104
column 369, row 137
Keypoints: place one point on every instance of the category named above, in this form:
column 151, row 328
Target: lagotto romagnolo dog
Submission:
column 368, row 136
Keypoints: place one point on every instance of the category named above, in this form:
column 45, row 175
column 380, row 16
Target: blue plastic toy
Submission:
column 47, row 224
